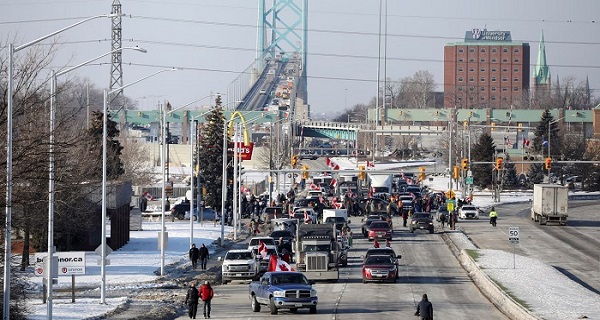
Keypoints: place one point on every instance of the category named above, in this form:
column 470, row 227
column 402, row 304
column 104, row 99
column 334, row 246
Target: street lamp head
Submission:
column 136, row 48
column 114, row 15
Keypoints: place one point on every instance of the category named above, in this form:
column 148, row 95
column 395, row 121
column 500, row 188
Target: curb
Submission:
column 490, row 290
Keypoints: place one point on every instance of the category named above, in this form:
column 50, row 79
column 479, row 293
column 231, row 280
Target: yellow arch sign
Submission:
column 231, row 120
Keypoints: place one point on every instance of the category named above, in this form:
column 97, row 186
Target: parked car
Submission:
column 421, row 221
column 468, row 212
column 380, row 230
column 180, row 210
column 208, row 214
column 379, row 268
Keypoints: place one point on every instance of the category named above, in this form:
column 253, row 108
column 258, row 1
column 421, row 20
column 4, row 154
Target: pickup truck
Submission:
column 239, row 265
column 283, row 290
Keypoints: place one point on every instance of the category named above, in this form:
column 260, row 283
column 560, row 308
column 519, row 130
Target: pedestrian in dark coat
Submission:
column 191, row 300
column 206, row 294
column 204, row 256
column 194, row 255
column 425, row 309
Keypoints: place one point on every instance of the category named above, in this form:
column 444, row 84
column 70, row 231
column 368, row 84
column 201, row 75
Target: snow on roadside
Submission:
column 547, row 292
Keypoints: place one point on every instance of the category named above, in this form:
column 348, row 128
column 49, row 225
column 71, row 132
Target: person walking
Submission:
column 204, row 256
column 443, row 219
column 191, row 300
column 194, row 255
column 404, row 217
column 206, row 294
column 493, row 217
column 424, row 309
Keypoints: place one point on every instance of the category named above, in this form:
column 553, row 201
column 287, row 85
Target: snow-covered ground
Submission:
column 135, row 266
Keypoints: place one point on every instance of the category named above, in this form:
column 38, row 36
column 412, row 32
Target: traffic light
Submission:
column 305, row 175
column 465, row 164
column 294, row 161
column 455, row 172
column 499, row 164
column 548, row 164
column 362, row 175
column 422, row 174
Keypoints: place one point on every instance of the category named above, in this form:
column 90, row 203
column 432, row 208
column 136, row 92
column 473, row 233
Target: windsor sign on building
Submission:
column 486, row 35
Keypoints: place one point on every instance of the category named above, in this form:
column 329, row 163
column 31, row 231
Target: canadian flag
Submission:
column 526, row 142
column 333, row 183
column 376, row 244
column 262, row 249
column 328, row 161
column 279, row 265
column 409, row 181
column 148, row 196
column 314, row 187
column 336, row 167
column 370, row 164
column 307, row 218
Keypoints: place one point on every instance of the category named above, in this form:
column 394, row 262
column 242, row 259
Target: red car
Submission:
column 379, row 268
column 380, row 230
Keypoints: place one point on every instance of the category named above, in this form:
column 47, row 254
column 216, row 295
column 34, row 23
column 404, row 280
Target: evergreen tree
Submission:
column 210, row 153
column 114, row 167
column 483, row 151
column 509, row 176
column 541, row 142
column 536, row 173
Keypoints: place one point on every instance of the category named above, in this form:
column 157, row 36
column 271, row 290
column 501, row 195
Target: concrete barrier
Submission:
column 490, row 290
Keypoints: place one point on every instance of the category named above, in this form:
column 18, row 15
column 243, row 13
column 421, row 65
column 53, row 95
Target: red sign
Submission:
column 244, row 151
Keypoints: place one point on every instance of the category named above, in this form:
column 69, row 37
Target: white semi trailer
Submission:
column 550, row 204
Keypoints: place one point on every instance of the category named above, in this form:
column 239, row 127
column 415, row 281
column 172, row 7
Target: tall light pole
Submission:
column 550, row 123
column 191, row 142
column 9, row 137
column 224, row 175
column 51, row 188
column 104, row 184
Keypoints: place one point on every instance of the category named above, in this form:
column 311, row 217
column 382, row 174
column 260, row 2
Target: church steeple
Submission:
column 541, row 75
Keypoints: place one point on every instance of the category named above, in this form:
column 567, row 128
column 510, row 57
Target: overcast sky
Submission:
column 212, row 41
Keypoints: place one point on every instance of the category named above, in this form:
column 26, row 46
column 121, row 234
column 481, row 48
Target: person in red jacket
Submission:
column 206, row 294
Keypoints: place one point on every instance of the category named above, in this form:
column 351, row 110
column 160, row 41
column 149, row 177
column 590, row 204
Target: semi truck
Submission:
column 550, row 204
column 381, row 183
column 317, row 251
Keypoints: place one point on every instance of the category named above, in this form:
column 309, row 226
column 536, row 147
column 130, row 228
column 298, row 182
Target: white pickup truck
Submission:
column 239, row 265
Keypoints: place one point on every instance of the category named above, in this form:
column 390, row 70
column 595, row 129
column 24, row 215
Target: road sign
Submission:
column 513, row 234
column 450, row 205
column 469, row 180
column 450, row 194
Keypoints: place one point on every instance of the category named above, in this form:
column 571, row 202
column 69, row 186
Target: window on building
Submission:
column 471, row 89
column 482, row 89
column 505, row 50
column 482, row 79
column 504, row 69
column 494, row 60
column 460, row 79
column 504, row 89
column 459, row 98
column 493, row 89
column 504, row 79
column 460, row 89
column 461, row 51
column 482, row 60
column 516, row 60
column 494, row 69
column 471, row 79
column 482, row 50
column 461, row 60
column 516, row 89
column 493, row 79
column 505, row 60
column 460, row 69
column 482, row 98
column 516, row 70
column 494, row 50
column 516, row 50
column 482, row 69
column 493, row 98
column 516, row 79
column 472, row 60
column 471, row 50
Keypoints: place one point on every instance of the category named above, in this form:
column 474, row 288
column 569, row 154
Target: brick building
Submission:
column 487, row 70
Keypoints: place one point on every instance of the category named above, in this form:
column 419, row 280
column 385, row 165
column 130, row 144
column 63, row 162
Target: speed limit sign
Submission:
column 513, row 234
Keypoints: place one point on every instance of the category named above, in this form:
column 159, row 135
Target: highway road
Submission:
column 427, row 266
column 573, row 249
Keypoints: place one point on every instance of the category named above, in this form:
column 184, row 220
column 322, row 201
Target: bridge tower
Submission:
column 283, row 27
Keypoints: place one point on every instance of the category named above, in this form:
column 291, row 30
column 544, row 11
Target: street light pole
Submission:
column 104, row 185
column 51, row 188
column 9, row 137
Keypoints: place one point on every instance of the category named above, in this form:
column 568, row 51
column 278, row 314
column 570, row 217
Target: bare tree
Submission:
column 417, row 90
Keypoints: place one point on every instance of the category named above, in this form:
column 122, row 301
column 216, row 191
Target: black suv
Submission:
column 421, row 220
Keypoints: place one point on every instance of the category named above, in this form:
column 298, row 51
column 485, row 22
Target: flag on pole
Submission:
column 275, row 264
column 262, row 249
column 328, row 161
column 526, row 143
column 333, row 183
column 336, row 167
column 370, row 164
